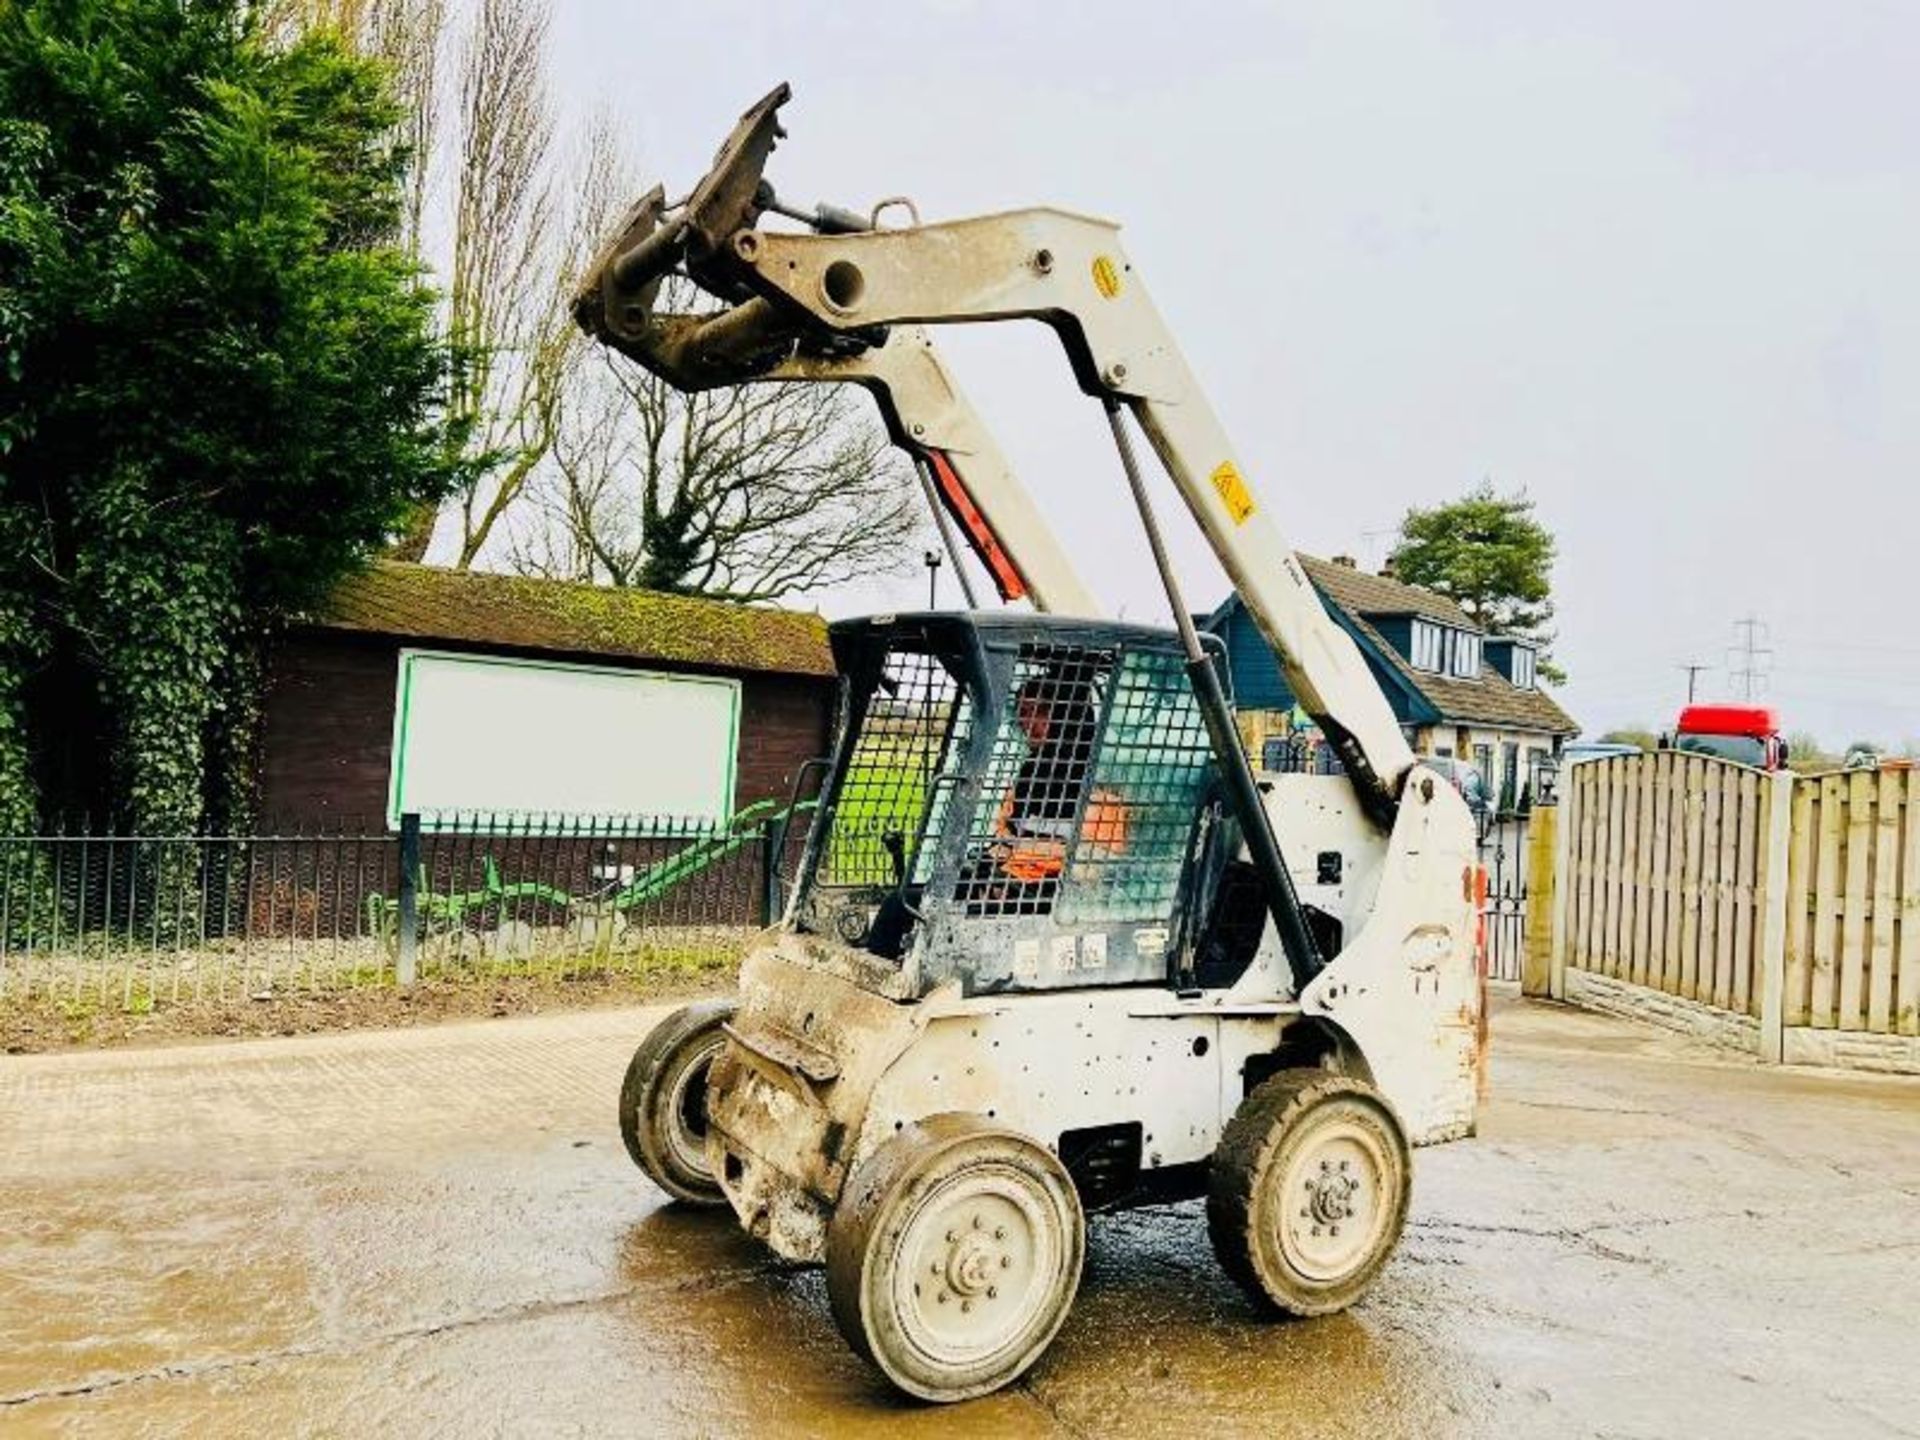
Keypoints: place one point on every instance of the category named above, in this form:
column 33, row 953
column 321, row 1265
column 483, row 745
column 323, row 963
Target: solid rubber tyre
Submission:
column 953, row 1256
column 1308, row 1191
column 663, row 1101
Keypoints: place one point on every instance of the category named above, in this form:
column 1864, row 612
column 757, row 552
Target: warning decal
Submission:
column 1106, row 276
column 1233, row 492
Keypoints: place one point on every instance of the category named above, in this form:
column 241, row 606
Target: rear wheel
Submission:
column 663, row 1101
column 1308, row 1191
column 953, row 1256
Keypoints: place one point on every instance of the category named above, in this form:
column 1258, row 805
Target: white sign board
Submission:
column 480, row 733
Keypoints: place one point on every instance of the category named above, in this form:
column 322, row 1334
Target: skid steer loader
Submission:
column 1054, row 947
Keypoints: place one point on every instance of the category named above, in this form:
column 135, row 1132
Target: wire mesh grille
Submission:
column 1154, row 766
column 917, row 719
column 1036, row 781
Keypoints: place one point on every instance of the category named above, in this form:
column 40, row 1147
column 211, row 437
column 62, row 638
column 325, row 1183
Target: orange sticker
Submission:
column 1233, row 492
column 1106, row 276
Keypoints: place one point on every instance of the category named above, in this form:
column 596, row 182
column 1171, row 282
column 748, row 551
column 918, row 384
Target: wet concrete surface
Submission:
column 438, row 1233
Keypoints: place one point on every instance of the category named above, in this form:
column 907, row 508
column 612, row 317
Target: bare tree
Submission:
column 506, row 272
column 747, row 493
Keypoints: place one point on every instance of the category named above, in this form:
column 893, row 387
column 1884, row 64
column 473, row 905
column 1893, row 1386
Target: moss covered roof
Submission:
column 424, row 602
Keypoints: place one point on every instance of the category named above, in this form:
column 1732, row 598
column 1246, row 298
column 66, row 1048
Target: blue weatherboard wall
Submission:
column 1258, row 683
column 1396, row 630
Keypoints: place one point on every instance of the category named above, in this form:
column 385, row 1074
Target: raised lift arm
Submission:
column 826, row 293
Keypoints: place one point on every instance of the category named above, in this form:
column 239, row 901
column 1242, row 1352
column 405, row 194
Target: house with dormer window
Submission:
column 1458, row 692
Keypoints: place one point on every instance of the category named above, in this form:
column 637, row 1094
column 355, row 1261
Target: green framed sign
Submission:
column 494, row 735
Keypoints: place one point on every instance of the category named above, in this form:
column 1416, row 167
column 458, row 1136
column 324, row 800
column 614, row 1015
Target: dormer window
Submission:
column 1515, row 660
column 1522, row 668
column 1444, row 650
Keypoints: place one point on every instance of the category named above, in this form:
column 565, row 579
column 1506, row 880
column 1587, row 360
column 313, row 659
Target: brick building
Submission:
column 418, row 688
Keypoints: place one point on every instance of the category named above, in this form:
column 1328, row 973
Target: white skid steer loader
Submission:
column 1053, row 947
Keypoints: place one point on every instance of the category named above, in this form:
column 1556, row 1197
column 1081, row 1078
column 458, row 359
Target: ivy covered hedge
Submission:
column 220, row 386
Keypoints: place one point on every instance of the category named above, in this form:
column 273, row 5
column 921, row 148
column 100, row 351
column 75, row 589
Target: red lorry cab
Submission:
column 1747, row 734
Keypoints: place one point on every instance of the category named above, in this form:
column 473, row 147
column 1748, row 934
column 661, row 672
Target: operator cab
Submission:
column 1025, row 803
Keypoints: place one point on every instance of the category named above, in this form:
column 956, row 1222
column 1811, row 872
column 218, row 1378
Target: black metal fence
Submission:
column 1503, row 911
column 135, row 921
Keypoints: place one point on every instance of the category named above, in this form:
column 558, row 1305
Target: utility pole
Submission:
column 1693, row 676
column 1750, row 658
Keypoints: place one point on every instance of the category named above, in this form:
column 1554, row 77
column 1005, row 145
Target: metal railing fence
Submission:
column 135, row 921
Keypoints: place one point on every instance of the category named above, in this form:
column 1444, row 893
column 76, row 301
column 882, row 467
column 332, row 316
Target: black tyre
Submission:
column 953, row 1256
column 663, row 1101
column 1308, row 1191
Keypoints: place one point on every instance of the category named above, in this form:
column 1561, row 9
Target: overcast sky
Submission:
column 1654, row 263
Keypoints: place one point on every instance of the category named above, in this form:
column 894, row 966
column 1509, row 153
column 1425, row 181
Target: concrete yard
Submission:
column 438, row 1233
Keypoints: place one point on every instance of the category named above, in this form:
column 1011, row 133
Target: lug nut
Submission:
column 966, row 1306
column 1006, row 1262
column 993, row 1292
column 976, row 1222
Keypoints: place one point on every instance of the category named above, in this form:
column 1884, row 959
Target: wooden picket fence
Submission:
column 1776, row 912
column 1853, row 923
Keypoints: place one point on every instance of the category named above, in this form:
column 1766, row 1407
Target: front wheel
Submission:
column 1308, row 1191
column 663, row 1101
column 953, row 1256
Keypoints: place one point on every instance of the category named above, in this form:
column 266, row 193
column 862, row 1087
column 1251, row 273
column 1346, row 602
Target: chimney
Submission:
column 1346, row 562
column 1386, row 569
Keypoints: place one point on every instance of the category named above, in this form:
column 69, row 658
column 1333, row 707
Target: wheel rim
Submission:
column 684, row 1109
column 980, row 1264
column 1335, row 1198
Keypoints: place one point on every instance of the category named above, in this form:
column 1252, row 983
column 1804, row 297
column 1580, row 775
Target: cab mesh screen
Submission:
column 1153, row 768
column 1036, row 781
column 915, row 723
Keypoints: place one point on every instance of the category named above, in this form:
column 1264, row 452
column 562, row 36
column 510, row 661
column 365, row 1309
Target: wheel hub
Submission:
column 686, row 1128
column 974, row 1261
column 1331, row 1193
column 1333, row 1209
column 983, row 1261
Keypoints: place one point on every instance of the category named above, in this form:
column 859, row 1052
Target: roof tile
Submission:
column 1359, row 593
column 424, row 602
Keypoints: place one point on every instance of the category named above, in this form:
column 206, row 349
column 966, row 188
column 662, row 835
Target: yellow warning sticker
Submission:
column 1233, row 492
column 1106, row 276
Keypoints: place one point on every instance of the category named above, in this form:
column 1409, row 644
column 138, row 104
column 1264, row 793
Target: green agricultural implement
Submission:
column 491, row 913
